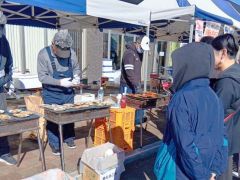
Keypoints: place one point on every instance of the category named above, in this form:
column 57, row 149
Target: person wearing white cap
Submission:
column 132, row 64
column 131, row 69
column 58, row 71
column 6, row 64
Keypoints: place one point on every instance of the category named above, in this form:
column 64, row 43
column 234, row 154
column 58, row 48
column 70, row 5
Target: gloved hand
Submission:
column 76, row 79
column 66, row 82
column 2, row 73
column 10, row 92
column 11, row 88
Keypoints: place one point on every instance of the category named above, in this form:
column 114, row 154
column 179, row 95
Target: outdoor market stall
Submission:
column 75, row 14
column 174, row 20
column 71, row 14
column 44, row 13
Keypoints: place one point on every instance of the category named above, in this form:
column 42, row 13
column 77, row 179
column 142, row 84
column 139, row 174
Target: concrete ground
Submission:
column 31, row 165
column 141, row 169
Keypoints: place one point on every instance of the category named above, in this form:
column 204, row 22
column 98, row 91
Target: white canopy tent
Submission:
column 72, row 14
column 171, row 20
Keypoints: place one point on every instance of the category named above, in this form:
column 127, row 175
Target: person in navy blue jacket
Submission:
column 6, row 64
column 195, row 116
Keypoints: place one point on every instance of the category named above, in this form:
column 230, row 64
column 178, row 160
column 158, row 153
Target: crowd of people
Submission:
column 202, row 133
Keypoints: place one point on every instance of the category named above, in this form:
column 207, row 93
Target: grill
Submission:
column 141, row 102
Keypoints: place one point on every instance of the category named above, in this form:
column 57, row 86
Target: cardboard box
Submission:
column 33, row 103
column 90, row 174
column 95, row 165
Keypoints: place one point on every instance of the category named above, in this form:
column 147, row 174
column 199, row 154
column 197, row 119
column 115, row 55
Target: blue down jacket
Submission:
column 195, row 124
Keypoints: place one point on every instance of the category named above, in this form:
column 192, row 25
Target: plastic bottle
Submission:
column 100, row 94
column 119, row 97
column 124, row 99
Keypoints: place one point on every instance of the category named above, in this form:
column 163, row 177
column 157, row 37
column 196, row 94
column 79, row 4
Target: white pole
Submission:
column 155, row 58
column 109, row 45
column 23, row 52
column 45, row 37
column 122, row 47
column 191, row 30
column 145, row 59
column 84, row 48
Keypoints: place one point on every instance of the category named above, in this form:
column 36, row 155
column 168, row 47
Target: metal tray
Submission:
column 77, row 110
column 16, row 119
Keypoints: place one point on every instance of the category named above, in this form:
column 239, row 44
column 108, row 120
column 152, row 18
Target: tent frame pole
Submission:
column 191, row 30
column 146, row 59
column 23, row 52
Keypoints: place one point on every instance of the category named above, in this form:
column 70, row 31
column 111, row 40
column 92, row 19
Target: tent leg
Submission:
column 146, row 63
column 23, row 52
column 191, row 30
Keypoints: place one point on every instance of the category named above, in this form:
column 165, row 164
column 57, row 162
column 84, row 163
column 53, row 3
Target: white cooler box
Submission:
column 26, row 81
column 86, row 97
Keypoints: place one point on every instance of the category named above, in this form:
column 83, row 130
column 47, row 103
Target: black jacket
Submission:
column 131, row 67
column 6, row 61
column 227, row 88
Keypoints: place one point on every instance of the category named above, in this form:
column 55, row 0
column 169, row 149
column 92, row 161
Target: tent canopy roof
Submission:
column 72, row 13
column 171, row 20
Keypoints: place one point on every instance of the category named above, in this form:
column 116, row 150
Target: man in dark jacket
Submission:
column 131, row 68
column 6, row 63
column 227, row 88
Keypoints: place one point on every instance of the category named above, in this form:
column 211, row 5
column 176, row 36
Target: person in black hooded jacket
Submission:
column 195, row 115
column 227, row 87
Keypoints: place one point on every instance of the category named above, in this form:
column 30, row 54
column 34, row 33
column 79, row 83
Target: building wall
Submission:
column 13, row 36
column 33, row 40
column 94, row 53
column 77, row 44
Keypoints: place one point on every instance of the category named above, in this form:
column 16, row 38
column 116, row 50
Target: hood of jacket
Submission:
column 232, row 72
column 131, row 46
column 192, row 61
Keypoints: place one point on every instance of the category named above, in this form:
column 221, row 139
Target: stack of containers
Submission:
column 101, row 132
column 122, row 123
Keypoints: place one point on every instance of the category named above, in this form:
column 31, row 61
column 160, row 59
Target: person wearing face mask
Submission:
column 131, row 66
column 58, row 71
column 6, row 63
column 227, row 88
